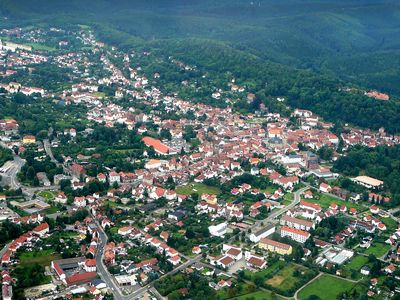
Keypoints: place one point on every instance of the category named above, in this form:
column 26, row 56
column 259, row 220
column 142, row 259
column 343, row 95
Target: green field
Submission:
column 197, row 188
column 43, row 258
column 48, row 195
column 326, row 287
column 326, row 200
column 288, row 198
column 391, row 225
column 356, row 263
column 377, row 249
column 259, row 295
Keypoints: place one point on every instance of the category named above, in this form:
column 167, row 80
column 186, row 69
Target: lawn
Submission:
column 48, row 195
column 288, row 198
column 52, row 210
column 197, row 188
column 41, row 47
column 246, row 291
column 326, row 200
column 391, row 224
column 357, row 263
column 326, row 287
column 42, row 258
column 259, row 295
column 377, row 249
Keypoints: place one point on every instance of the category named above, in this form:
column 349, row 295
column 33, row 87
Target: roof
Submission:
column 226, row 260
column 275, row 244
column 156, row 144
column 369, row 180
column 310, row 205
column 76, row 278
column 298, row 221
column 256, row 261
column 41, row 227
column 295, row 231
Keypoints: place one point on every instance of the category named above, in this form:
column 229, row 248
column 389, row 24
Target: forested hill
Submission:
column 301, row 88
column 356, row 41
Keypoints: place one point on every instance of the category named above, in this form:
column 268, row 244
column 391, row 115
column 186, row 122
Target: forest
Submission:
column 274, row 49
column 354, row 40
column 382, row 162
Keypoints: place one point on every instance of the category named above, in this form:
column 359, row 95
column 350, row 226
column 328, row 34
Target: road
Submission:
column 277, row 213
column 102, row 269
column 108, row 278
column 49, row 152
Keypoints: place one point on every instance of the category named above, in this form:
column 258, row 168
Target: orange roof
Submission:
column 156, row 144
column 41, row 227
column 310, row 204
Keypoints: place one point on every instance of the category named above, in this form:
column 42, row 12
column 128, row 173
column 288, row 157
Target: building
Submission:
column 158, row 146
column 41, row 230
column 274, row 246
column 368, row 182
column 126, row 280
column 72, row 271
column 262, row 233
column 28, row 139
column 295, row 234
column 218, row 230
column 296, row 223
column 255, row 261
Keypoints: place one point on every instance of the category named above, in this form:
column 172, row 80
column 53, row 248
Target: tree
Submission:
column 259, row 280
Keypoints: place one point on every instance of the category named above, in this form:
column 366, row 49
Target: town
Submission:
column 135, row 192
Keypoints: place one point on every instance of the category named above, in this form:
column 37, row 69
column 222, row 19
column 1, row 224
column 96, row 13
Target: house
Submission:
column 90, row 265
column 295, row 234
column 274, row 246
column 232, row 251
column 41, row 230
column 224, row 261
column 325, row 188
column 114, row 177
column 374, row 209
column 126, row 230
column 308, row 194
column 80, row 202
column 29, row 139
column 255, row 261
column 61, row 198
column 262, row 233
column 311, row 206
column 390, row 269
column 196, row 250
column 218, row 230
column 365, row 270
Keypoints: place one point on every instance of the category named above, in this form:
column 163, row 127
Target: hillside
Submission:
column 335, row 41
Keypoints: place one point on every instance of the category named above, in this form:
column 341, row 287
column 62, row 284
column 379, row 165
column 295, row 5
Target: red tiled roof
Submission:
column 156, row 144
